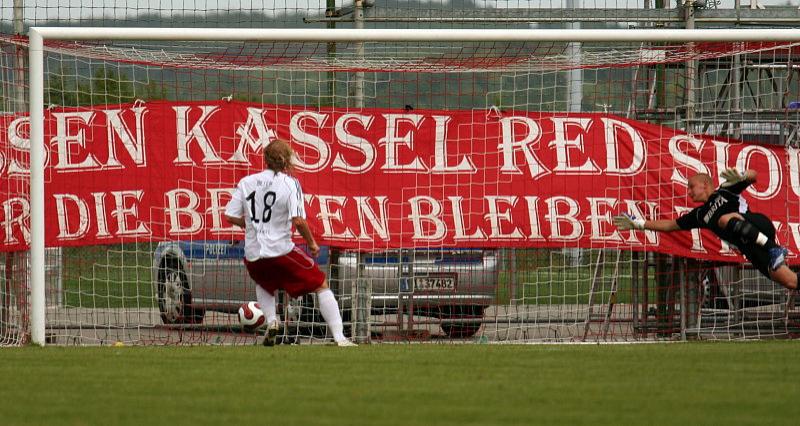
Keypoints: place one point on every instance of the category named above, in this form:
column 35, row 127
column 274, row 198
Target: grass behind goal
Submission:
column 703, row 383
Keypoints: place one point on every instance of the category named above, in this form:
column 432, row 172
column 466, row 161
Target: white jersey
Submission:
column 268, row 201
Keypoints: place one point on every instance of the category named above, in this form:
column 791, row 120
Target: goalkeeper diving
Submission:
column 725, row 212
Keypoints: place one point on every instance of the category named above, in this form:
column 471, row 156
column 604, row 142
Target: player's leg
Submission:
column 267, row 302
column 737, row 225
column 301, row 275
column 330, row 312
column 261, row 271
column 777, row 254
column 761, row 260
column 785, row 277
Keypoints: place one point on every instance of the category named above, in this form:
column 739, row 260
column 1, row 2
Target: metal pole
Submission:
column 420, row 35
column 36, row 93
column 330, row 10
column 19, row 57
column 574, row 101
column 18, row 104
column 691, row 72
column 358, row 94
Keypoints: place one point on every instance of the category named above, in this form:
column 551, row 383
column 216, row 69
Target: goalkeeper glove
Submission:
column 628, row 221
column 732, row 177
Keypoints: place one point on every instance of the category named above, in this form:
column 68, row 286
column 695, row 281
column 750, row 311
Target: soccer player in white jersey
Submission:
column 266, row 205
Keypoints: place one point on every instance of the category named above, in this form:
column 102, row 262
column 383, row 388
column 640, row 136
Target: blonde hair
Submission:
column 278, row 156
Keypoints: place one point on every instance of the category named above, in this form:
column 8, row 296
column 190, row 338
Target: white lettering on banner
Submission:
column 566, row 146
column 570, row 217
column 778, row 226
column 613, row 128
column 509, row 145
column 532, row 202
column 773, row 166
column 378, row 222
column 100, row 212
column 217, row 209
column 697, row 237
column 175, row 211
column 16, row 218
column 196, row 133
column 458, row 222
column 794, row 170
column 598, row 219
column 683, row 159
column 394, row 141
column 495, row 217
column 330, row 208
column 726, row 249
column 794, row 232
column 19, row 144
column 440, row 150
column 64, row 232
column 263, row 136
column 133, row 144
column 359, row 144
column 418, row 219
column 307, row 140
column 65, row 141
column 123, row 211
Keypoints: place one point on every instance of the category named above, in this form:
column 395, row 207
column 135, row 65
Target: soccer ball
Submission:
column 251, row 315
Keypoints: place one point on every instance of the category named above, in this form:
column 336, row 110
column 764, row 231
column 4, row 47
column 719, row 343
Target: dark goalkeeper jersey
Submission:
column 721, row 202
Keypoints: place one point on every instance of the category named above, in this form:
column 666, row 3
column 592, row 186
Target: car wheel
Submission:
column 175, row 296
column 460, row 330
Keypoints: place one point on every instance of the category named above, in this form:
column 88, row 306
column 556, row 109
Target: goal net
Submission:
column 462, row 188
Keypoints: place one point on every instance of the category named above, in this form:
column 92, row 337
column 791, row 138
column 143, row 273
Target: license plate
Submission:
column 435, row 283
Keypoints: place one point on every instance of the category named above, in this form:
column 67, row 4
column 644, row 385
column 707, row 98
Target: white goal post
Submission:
column 38, row 36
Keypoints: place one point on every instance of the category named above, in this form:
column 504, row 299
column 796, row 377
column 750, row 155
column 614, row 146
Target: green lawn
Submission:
column 685, row 384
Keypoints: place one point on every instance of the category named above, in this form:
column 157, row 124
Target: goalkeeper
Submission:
column 725, row 213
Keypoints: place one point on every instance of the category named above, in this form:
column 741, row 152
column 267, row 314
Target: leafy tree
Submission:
column 106, row 86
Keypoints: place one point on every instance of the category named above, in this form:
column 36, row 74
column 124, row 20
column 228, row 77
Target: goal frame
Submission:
column 38, row 35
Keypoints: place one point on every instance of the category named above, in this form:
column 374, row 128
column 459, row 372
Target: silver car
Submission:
column 193, row 277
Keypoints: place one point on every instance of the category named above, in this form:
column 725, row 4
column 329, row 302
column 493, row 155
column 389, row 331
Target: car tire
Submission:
column 462, row 330
column 175, row 296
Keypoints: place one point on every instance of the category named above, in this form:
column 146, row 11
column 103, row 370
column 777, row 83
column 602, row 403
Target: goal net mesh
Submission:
column 461, row 191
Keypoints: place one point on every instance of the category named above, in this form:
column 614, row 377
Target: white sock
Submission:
column 267, row 302
column 330, row 311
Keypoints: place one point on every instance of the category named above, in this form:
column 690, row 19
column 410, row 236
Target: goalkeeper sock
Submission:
column 748, row 232
column 267, row 303
column 330, row 311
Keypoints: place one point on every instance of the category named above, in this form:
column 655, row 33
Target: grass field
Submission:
column 686, row 384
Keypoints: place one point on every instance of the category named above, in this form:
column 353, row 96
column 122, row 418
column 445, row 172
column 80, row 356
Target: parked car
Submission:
column 192, row 277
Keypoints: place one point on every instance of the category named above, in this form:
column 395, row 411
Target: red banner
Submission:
column 377, row 178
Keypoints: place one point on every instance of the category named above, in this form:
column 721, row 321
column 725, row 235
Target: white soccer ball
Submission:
column 251, row 315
